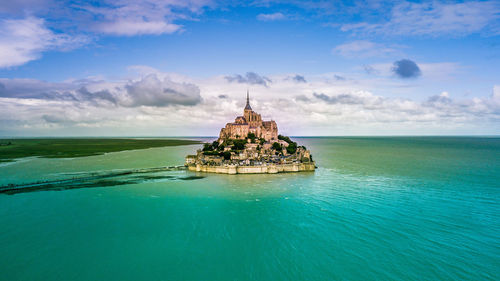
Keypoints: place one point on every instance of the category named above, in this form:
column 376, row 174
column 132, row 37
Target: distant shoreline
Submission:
column 2, row 138
column 11, row 149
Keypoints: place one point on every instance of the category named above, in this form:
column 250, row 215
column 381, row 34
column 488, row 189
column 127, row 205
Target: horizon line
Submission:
column 294, row 136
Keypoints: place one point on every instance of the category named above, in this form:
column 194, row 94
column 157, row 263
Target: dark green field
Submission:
column 71, row 147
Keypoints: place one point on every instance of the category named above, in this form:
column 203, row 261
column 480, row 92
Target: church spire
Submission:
column 248, row 102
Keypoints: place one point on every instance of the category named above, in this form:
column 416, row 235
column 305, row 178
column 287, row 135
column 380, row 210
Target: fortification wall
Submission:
column 268, row 169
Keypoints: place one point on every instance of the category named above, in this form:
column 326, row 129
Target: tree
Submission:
column 215, row 145
column 239, row 144
column 251, row 136
column 207, row 147
column 277, row 146
column 227, row 155
column 291, row 148
column 287, row 139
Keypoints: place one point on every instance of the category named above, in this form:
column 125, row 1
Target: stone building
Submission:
column 250, row 122
column 251, row 156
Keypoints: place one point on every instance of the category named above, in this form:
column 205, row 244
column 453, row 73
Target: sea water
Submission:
column 400, row 208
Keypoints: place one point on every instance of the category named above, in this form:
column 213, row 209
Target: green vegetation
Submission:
column 227, row 142
column 211, row 146
column 287, row 139
column 210, row 152
column 239, row 144
column 277, row 146
column 292, row 146
column 215, row 145
column 72, row 147
column 252, row 137
column 227, row 155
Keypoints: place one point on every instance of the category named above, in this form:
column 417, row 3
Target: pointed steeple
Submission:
column 248, row 107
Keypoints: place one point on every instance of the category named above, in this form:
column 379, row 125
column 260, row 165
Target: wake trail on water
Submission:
column 99, row 179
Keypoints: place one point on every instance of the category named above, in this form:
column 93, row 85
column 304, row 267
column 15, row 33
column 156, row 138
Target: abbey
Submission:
column 250, row 122
column 251, row 146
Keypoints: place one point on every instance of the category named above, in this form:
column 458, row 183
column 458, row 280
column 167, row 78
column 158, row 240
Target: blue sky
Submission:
column 173, row 67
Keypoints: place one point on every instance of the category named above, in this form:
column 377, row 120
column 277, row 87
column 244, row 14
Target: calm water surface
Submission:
column 423, row 208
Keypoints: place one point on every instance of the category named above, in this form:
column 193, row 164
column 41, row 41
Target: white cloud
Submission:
column 138, row 17
column 250, row 78
column 496, row 93
column 495, row 97
column 365, row 49
column 271, row 17
column 137, row 27
column 152, row 91
column 24, row 40
column 157, row 104
column 434, row 18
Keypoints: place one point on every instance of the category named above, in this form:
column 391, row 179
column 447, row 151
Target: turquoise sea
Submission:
column 377, row 208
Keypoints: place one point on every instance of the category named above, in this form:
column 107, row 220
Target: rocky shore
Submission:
column 251, row 156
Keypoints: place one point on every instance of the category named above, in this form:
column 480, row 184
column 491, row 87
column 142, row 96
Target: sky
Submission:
column 182, row 68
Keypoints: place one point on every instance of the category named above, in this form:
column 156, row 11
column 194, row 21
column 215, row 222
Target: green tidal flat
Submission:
column 377, row 208
column 77, row 147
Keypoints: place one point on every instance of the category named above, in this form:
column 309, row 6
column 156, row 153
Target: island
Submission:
column 250, row 145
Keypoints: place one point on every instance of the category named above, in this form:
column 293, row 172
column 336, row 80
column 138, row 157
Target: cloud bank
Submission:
column 158, row 104
column 150, row 90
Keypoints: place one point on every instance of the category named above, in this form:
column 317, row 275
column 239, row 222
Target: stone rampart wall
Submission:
column 268, row 169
